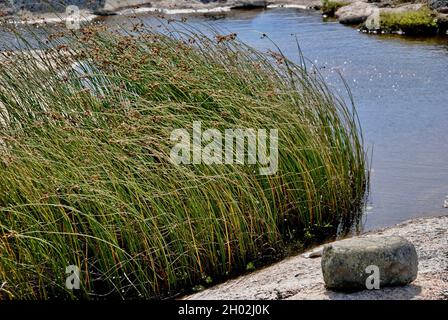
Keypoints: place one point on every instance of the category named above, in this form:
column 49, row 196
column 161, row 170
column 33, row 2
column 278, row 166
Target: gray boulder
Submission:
column 344, row 262
column 354, row 13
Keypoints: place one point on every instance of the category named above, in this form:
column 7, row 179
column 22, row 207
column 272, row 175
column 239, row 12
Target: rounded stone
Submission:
column 344, row 262
column 354, row 13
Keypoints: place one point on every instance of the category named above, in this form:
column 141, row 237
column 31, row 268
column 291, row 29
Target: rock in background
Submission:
column 13, row 6
column 347, row 264
column 354, row 13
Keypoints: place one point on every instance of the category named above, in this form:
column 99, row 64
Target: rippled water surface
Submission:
column 400, row 86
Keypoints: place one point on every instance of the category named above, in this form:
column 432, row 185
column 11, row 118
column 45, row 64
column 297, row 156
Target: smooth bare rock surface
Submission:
column 300, row 277
column 344, row 262
column 354, row 13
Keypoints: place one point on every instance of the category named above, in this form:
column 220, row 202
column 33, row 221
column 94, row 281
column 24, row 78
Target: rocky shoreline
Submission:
column 300, row 277
column 386, row 16
column 373, row 16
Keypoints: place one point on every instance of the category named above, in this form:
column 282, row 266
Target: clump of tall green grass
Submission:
column 86, row 177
